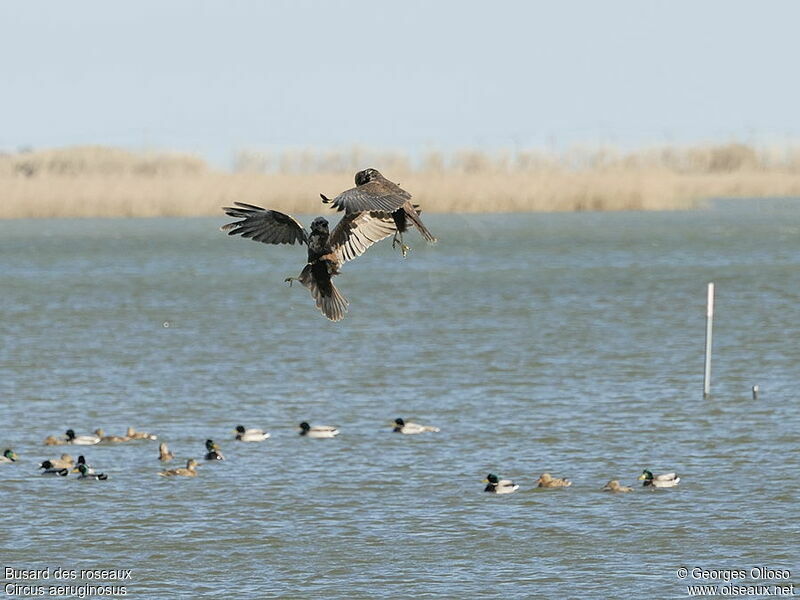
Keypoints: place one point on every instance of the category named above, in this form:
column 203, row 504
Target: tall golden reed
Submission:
column 110, row 182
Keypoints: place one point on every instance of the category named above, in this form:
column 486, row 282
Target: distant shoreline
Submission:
column 109, row 182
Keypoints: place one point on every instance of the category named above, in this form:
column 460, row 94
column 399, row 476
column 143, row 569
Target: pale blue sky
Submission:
column 214, row 77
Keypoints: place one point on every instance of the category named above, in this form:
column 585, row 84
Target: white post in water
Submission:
column 709, row 325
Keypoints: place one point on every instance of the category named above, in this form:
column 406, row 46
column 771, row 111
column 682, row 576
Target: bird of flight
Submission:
column 371, row 214
column 374, row 190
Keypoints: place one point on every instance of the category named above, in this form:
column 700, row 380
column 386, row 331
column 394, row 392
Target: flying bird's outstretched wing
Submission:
column 356, row 232
column 379, row 195
column 264, row 225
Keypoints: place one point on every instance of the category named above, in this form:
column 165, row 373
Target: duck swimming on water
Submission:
column 318, row 431
column 81, row 440
column 548, row 481
column 65, row 462
column 495, row 485
column 213, row 451
column 665, row 480
column 49, row 469
column 189, row 471
column 140, row 435
column 614, row 486
column 164, row 453
column 88, row 473
column 250, row 435
column 401, row 426
column 114, row 439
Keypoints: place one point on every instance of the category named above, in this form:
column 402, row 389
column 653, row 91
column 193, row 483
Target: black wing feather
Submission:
column 264, row 225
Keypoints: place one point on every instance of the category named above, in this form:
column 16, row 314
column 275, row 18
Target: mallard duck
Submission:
column 111, row 438
column 665, row 480
column 52, row 440
column 614, row 486
column 250, row 435
column 189, row 471
column 82, row 463
column 164, row 453
column 499, row 486
column 49, row 469
column 213, row 451
column 548, row 481
column 65, row 462
column 81, row 440
column 88, row 473
column 9, row 456
column 400, row 426
column 318, row 431
column 140, row 435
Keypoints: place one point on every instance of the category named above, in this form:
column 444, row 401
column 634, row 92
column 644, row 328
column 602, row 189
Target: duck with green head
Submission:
column 81, row 463
column 408, row 428
column 318, row 431
column 250, row 435
column 65, row 462
column 495, row 485
column 665, row 480
column 9, row 456
column 81, row 440
column 50, row 469
column 213, row 451
column 88, row 473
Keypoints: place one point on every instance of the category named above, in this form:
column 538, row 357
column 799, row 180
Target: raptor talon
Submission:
column 398, row 241
column 289, row 280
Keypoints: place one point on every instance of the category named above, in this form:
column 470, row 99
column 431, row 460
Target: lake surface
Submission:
column 567, row 343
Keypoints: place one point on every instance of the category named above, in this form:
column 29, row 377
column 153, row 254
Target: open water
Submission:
column 567, row 343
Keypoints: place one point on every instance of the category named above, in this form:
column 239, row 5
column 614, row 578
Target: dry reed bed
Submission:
column 108, row 182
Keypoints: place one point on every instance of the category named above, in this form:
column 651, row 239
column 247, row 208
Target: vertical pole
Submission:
column 755, row 392
column 709, row 325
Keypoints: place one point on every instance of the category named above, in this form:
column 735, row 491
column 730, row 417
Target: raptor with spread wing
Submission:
column 373, row 192
column 327, row 251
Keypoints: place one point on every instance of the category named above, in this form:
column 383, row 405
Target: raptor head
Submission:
column 320, row 224
column 367, row 175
